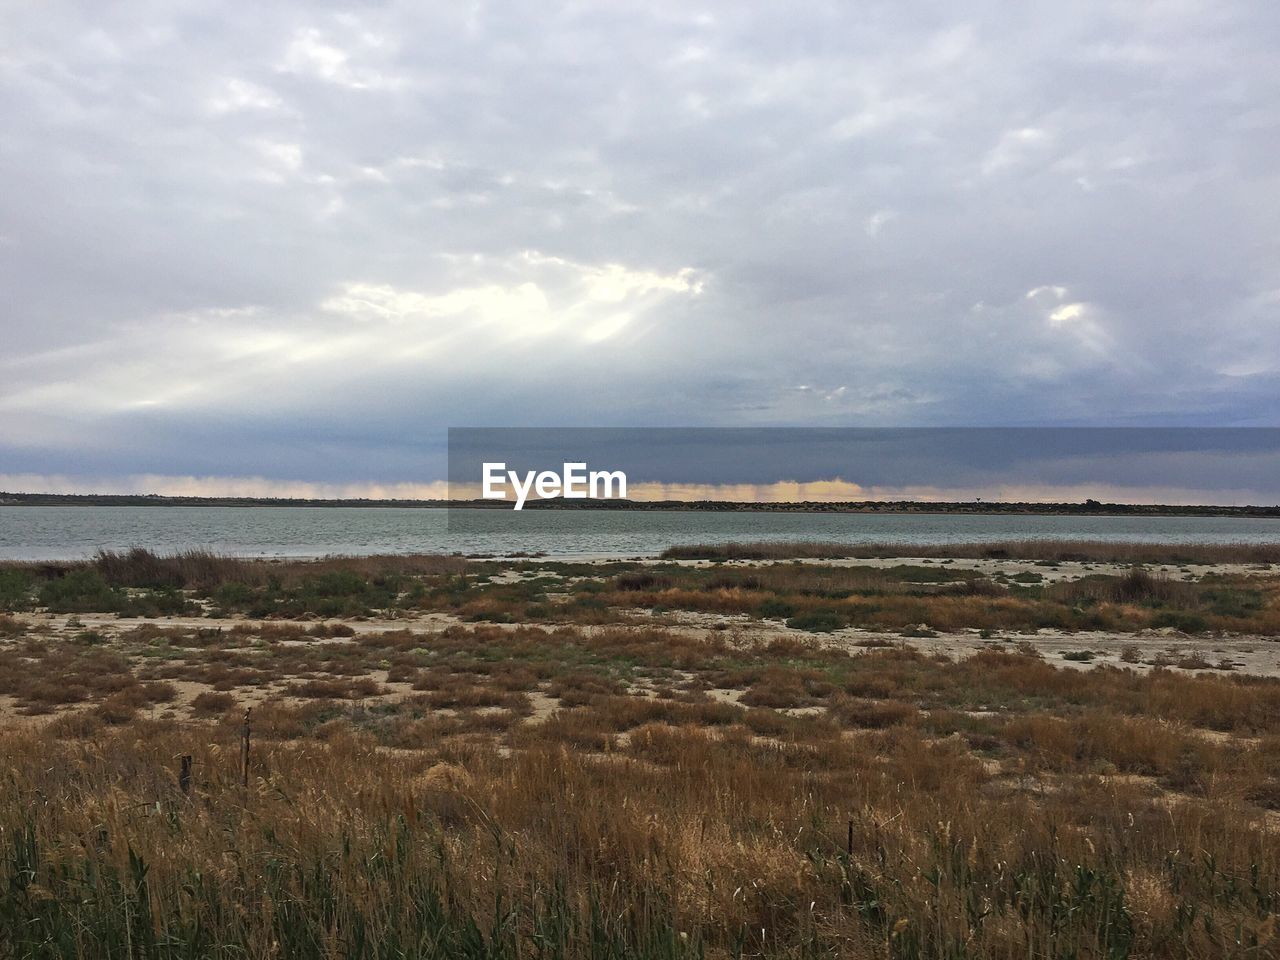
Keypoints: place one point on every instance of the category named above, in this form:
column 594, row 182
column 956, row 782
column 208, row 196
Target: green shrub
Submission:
column 232, row 596
column 336, row 583
column 157, row 603
column 490, row 615
column 640, row 580
column 15, row 590
column 912, row 573
column 341, row 593
column 775, row 609
column 1226, row 602
column 1027, row 576
column 816, row 621
column 1078, row 656
column 81, row 591
column 1179, row 620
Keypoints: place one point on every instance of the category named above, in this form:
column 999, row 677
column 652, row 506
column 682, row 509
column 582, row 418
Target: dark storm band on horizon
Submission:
column 1213, row 465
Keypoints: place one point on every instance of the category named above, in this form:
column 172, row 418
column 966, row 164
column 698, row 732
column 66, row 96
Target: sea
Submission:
column 74, row 532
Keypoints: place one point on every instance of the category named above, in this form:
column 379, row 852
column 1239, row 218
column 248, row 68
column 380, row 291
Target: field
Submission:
column 984, row 751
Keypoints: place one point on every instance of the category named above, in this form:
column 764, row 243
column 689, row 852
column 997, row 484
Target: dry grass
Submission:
column 616, row 790
column 203, row 570
column 196, row 569
column 1052, row 551
column 141, row 582
column 899, row 598
column 334, row 689
column 694, row 824
column 210, row 704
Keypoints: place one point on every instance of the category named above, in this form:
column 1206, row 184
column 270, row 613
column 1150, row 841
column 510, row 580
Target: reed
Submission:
column 1051, row 551
column 633, row 786
column 682, row 841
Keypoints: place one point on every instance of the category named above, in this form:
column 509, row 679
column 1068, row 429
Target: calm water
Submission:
column 52, row 533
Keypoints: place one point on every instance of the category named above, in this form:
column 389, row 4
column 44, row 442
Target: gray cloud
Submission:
column 297, row 241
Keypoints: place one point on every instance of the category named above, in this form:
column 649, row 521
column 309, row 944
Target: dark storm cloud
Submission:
column 298, row 240
column 890, row 458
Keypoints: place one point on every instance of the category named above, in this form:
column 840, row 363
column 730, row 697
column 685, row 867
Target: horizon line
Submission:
column 19, row 499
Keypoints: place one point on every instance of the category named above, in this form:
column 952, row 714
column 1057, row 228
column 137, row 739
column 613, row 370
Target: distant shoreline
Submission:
column 978, row 508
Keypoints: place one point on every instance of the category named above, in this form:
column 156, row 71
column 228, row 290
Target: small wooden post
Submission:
column 848, row 845
column 184, row 775
column 244, row 750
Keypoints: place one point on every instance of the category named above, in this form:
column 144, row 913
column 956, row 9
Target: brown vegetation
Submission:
column 1053, row 551
column 614, row 786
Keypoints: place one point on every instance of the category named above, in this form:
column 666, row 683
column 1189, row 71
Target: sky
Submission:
column 282, row 247
column 1170, row 465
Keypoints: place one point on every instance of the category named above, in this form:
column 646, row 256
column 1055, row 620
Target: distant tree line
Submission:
column 1086, row 507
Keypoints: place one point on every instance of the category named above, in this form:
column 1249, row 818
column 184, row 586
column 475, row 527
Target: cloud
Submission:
column 364, row 330
column 189, row 486
column 309, row 53
column 835, row 490
column 1077, row 319
column 875, row 223
column 547, row 295
column 234, row 95
column 281, row 240
column 1015, row 147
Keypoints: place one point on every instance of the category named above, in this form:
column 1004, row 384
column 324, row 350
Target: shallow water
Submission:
column 51, row 533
